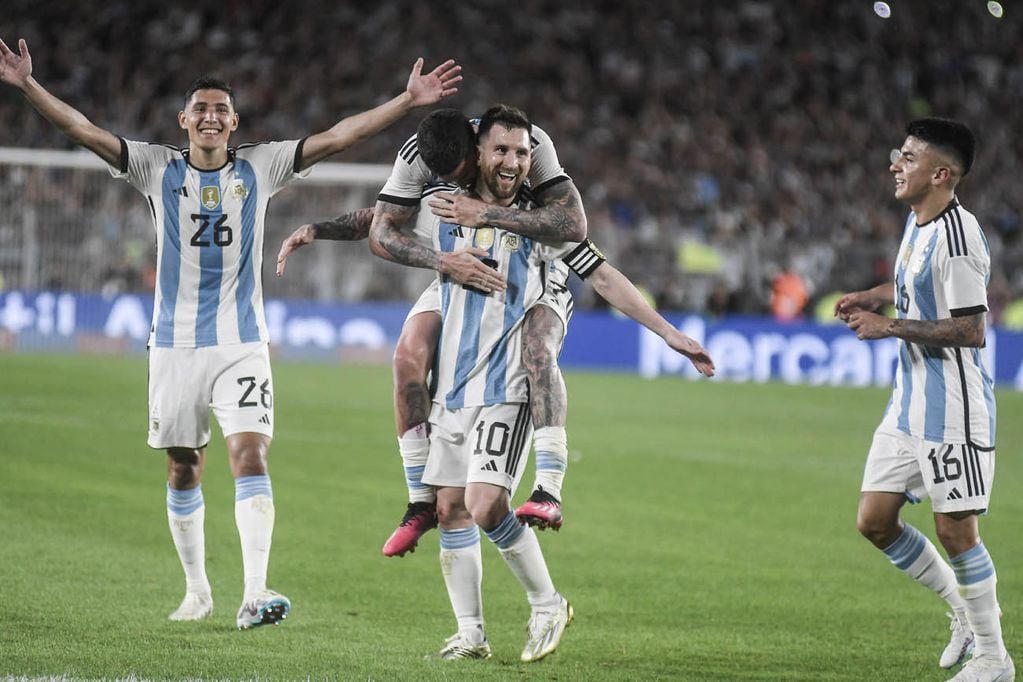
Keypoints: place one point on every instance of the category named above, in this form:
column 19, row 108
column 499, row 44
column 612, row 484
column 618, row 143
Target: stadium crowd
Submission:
column 725, row 151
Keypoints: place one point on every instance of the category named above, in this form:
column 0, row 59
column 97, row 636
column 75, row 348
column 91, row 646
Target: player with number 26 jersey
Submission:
column 209, row 232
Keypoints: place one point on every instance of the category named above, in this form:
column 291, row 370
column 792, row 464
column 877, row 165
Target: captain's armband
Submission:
column 584, row 259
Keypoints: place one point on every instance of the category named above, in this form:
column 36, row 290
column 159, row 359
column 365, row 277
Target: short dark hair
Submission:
column 208, row 83
column 509, row 117
column 952, row 137
column 445, row 138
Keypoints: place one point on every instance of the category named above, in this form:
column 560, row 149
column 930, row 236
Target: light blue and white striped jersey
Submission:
column 944, row 395
column 209, row 238
column 479, row 357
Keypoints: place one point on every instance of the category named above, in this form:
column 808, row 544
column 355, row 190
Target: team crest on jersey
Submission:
column 906, row 255
column 510, row 242
column 484, row 238
column 238, row 190
column 210, row 196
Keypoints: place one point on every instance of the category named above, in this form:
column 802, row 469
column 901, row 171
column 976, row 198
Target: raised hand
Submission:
column 15, row 69
column 435, row 85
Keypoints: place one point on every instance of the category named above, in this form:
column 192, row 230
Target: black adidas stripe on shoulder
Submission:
column 584, row 259
column 955, row 235
column 429, row 190
column 410, row 150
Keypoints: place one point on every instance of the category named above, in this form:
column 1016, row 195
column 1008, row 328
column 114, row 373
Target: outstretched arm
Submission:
column 619, row 291
column 421, row 90
column 561, row 218
column 391, row 234
column 16, row 70
column 353, row 226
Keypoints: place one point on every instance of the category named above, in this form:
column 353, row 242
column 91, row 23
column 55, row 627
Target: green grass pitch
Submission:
column 709, row 535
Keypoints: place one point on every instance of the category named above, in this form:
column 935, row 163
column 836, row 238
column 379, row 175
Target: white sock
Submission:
column 254, row 516
column 551, row 445
column 521, row 551
column 186, row 516
column 977, row 579
column 917, row 557
column 414, row 446
column 462, row 565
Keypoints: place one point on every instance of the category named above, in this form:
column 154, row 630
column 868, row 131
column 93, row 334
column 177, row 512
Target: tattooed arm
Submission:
column 353, row 226
column 561, row 217
column 964, row 332
column 391, row 233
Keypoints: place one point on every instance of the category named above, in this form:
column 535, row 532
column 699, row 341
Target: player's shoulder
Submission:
column 253, row 149
column 539, row 136
column 962, row 232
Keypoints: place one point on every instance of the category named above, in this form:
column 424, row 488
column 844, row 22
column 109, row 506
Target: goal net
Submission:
column 67, row 226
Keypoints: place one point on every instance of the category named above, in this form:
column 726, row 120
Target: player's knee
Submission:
column 450, row 513
column 486, row 515
column 879, row 529
column 184, row 467
column 248, row 454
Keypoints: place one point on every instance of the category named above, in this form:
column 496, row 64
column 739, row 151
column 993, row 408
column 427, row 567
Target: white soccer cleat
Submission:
column 960, row 644
column 987, row 669
column 459, row 645
column 195, row 606
column 544, row 630
column 266, row 608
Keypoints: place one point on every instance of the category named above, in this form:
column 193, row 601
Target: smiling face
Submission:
column 918, row 169
column 210, row 118
column 504, row 160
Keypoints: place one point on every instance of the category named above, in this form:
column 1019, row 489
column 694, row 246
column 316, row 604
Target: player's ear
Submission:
column 182, row 120
column 234, row 121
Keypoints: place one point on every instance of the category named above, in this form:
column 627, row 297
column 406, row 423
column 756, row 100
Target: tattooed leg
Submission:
column 542, row 335
column 413, row 357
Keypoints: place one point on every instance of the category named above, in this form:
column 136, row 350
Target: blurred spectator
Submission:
column 752, row 129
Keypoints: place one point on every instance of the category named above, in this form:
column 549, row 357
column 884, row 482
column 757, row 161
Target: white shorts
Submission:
column 185, row 383
column 956, row 476
column 478, row 445
column 556, row 296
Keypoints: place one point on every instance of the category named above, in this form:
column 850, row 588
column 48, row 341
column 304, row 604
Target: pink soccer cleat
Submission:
column 542, row 510
column 419, row 518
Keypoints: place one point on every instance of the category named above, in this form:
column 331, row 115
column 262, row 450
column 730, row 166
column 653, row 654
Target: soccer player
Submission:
column 208, row 346
column 937, row 436
column 480, row 420
column 445, row 148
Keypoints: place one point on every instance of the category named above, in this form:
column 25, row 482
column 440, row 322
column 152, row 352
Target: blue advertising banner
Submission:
column 744, row 348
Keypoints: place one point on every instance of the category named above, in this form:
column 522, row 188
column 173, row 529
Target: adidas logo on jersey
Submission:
column 265, row 419
column 489, row 466
column 954, row 495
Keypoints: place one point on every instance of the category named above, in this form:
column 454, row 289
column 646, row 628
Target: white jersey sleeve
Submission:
column 962, row 263
column 409, row 175
column 545, row 169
